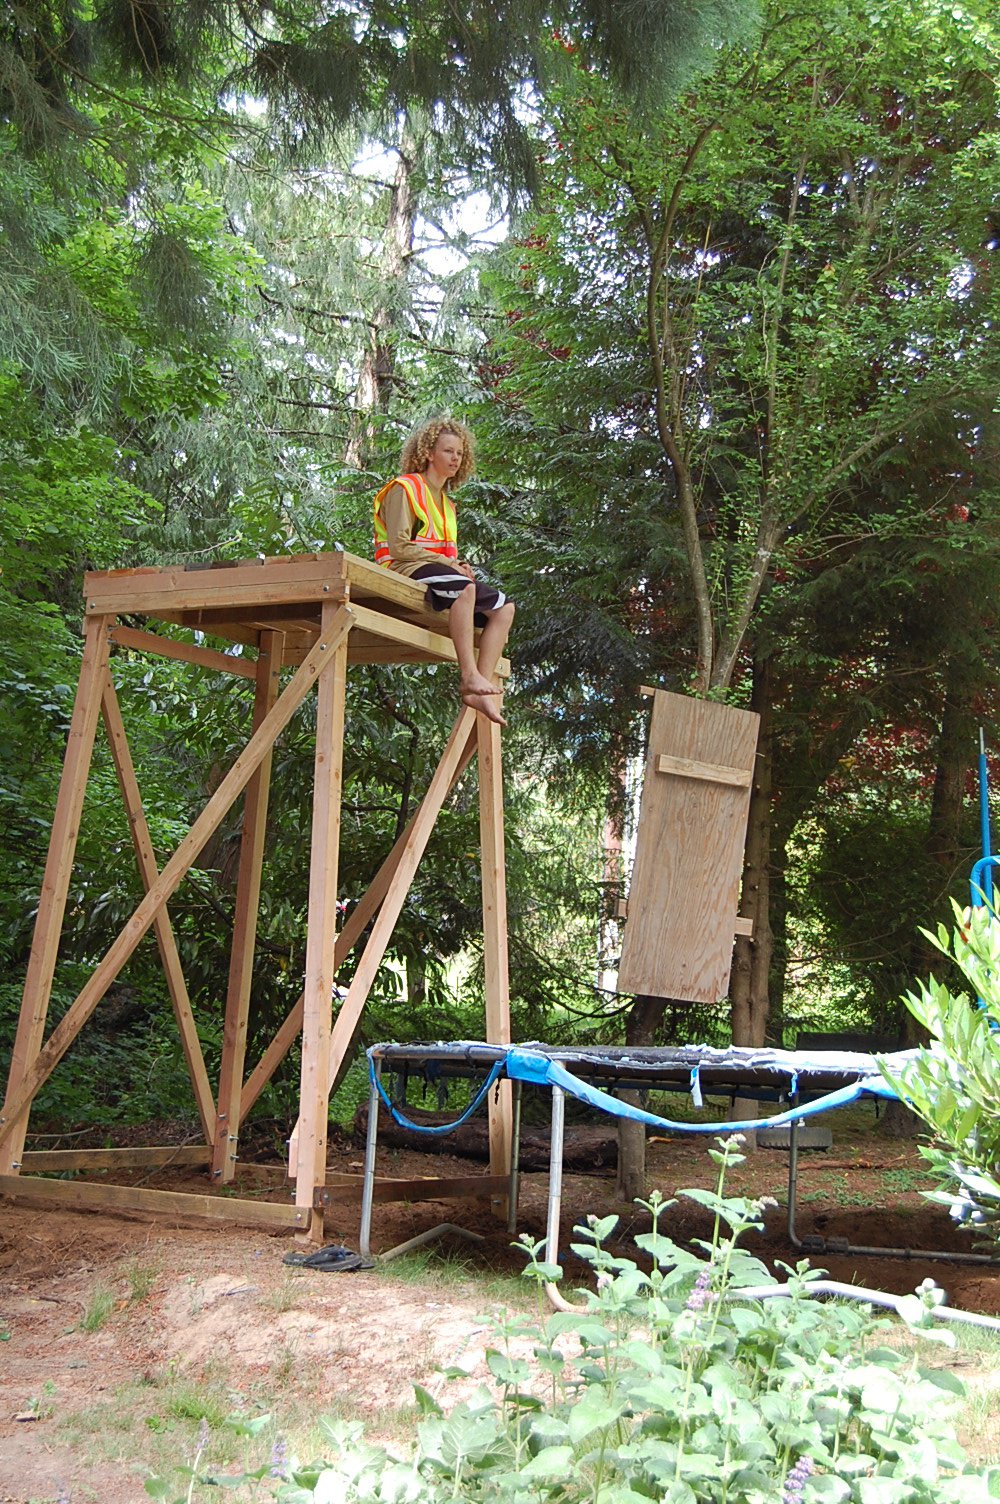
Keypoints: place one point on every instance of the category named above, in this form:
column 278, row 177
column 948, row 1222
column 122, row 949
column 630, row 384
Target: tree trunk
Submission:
column 749, row 990
column 955, row 754
column 377, row 377
column 641, row 1024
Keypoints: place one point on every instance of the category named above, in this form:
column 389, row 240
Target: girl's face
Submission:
column 446, row 456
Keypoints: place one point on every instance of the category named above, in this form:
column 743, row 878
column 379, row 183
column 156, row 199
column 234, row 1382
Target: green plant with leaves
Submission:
column 670, row 1385
column 953, row 1083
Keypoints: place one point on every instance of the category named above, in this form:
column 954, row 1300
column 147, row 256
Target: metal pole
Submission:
column 555, row 1175
column 368, row 1188
column 515, row 1162
column 793, row 1172
column 984, row 818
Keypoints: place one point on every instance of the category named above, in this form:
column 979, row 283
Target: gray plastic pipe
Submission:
column 819, row 1287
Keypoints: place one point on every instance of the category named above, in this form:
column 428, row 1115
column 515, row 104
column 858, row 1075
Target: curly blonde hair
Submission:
column 419, row 447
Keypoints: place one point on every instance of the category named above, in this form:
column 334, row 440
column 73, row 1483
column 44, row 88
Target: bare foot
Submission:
column 477, row 684
column 485, row 706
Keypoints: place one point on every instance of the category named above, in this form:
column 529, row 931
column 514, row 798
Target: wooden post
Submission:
column 148, row 871
column 314, row 1094
column 234, row 1035
column 497, row 975
column 55, row 887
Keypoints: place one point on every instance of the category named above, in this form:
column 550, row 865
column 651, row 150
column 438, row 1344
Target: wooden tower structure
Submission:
column 313, row 616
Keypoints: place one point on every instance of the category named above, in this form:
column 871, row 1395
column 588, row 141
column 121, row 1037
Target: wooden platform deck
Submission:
column 236, row 602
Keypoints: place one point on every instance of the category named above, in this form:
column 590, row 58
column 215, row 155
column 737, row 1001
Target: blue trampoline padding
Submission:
column 528, row 1065
column 538, row 1068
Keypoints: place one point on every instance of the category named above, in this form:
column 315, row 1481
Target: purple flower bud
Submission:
column 279, row 1456
column 701, row 1293
column 796, row 1481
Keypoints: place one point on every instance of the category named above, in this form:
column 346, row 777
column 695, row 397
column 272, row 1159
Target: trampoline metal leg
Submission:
column 793, row 1174
column 368, row 1189
column 555, row 1296
column 555, row 1175
column 515, row 1162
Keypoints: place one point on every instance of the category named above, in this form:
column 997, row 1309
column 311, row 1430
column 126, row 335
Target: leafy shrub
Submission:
column 669, row 1386
column 954, row 1082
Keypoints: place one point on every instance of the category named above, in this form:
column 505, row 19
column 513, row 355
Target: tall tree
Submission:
column 760, row 302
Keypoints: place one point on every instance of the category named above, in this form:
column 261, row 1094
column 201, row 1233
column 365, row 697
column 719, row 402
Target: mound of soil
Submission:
column 188, row 1304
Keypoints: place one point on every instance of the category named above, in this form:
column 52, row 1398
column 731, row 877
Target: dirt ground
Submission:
column 200, row 1324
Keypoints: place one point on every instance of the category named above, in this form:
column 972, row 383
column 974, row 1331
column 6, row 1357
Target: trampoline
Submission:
column 798, row 1084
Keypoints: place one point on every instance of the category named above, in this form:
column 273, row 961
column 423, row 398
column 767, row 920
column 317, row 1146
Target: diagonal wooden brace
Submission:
column 55, row 885
column 354, row 926
column 149, row 872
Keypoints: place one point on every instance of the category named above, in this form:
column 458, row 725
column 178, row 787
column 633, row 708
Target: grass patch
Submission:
column 98, row 1308
column 453, row 1273
column 141, row 1281
column 287, row 1295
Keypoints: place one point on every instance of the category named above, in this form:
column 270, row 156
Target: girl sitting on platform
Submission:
column 416, row 534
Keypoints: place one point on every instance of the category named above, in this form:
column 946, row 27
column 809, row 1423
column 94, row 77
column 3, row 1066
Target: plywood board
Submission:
column 684, row 895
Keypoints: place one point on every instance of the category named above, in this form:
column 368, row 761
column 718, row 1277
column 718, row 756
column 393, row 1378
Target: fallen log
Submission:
column 584, row 1148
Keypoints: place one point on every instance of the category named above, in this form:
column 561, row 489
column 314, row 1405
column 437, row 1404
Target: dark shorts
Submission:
column 445, row 585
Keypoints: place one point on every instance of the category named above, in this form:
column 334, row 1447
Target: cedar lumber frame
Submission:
column 317, row 614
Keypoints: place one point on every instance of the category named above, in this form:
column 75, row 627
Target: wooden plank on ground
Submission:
column 40, row 1161
column 323, row 654
column 55, row 887
column 684, row 894
column 83, row 1195
column 185, row 652
column 142, row 844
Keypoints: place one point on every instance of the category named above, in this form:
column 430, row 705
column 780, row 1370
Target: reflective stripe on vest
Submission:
column 438, row 530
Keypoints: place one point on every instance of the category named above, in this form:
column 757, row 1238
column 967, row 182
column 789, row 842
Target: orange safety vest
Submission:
column 438, row 530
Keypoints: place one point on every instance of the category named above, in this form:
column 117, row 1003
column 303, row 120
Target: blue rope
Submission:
column 438, row 1128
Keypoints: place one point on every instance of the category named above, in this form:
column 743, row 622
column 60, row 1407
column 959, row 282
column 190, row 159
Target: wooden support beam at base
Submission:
column 83, row 1195
column 348, row 1188
column 166, row 1156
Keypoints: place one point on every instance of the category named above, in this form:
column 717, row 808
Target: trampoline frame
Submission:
column 802, row 1082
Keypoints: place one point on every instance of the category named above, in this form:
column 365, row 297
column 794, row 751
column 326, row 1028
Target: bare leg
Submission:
column 491, row 645
column 462, row 627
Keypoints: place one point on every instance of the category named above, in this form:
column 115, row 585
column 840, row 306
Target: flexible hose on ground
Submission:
column 819, row 1287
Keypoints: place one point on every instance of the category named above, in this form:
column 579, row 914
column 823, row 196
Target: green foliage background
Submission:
column 232, row 274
